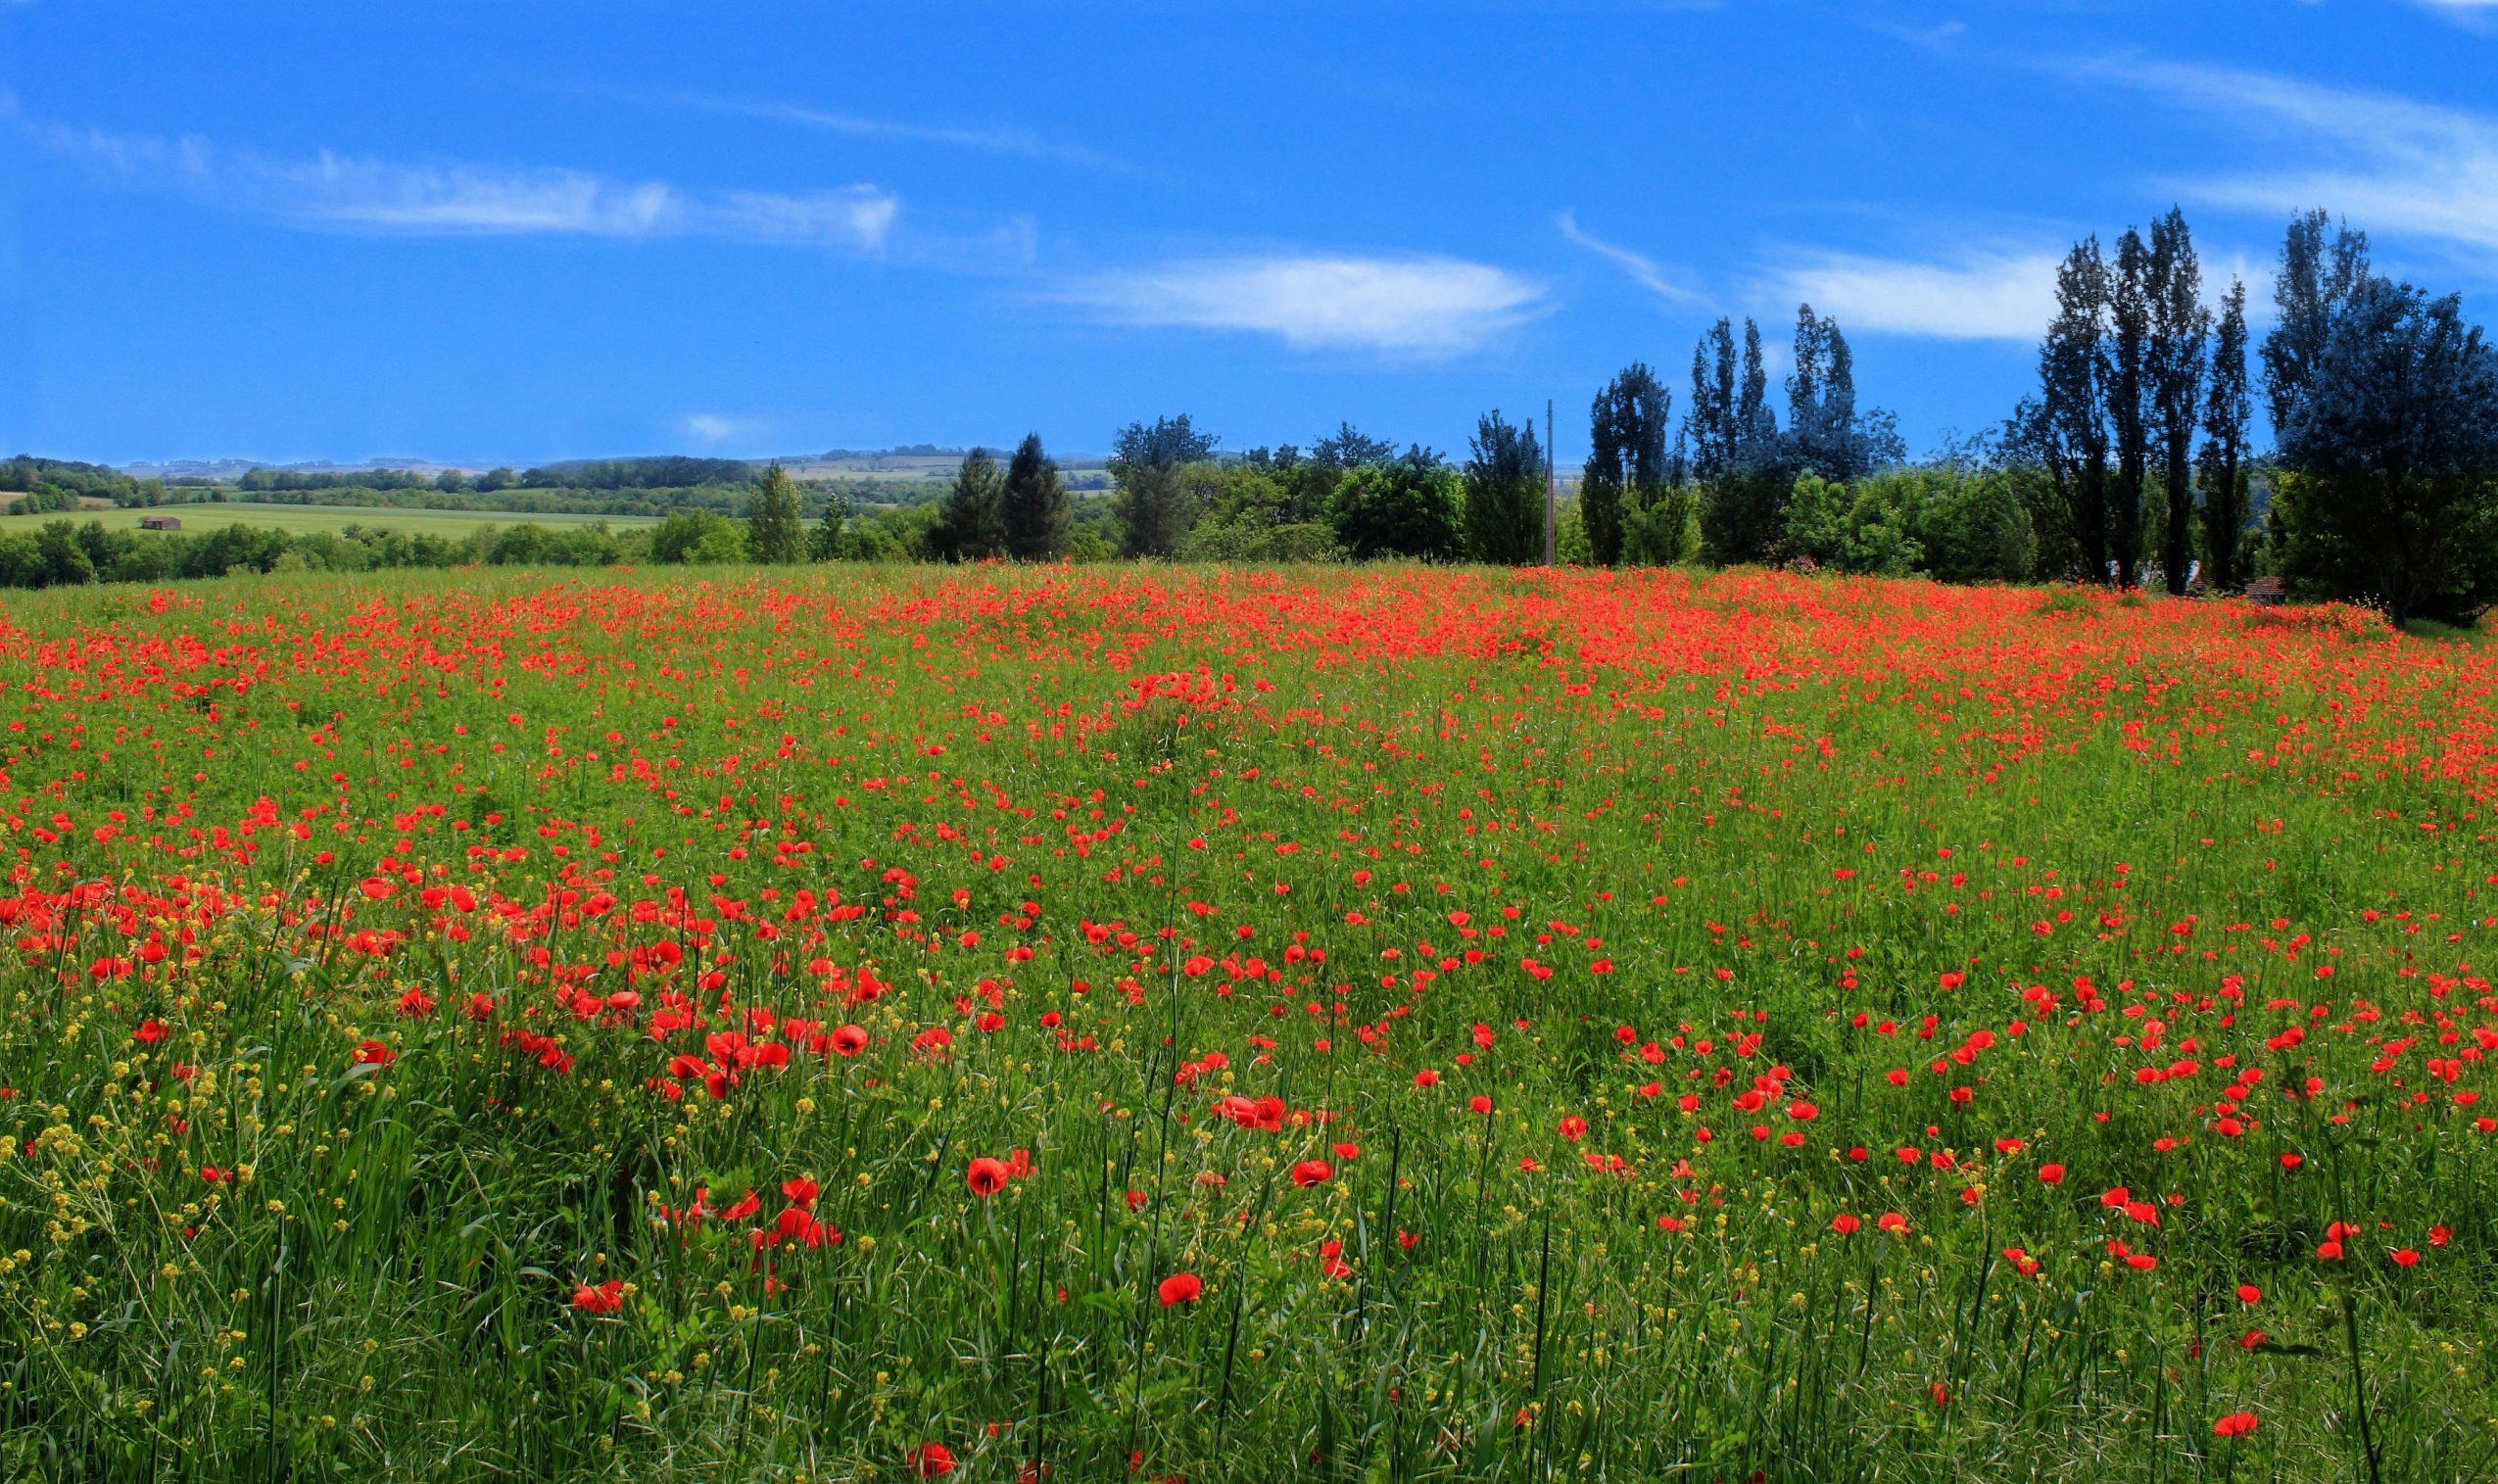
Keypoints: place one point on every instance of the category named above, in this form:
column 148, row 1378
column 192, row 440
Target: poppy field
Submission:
column 1196, row 1025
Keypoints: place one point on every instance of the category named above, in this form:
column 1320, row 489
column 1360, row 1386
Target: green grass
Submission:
column 2475, row 634
column 500, row 1024
column 308, row 519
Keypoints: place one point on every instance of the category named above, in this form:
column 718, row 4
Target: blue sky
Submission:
column 521, row 232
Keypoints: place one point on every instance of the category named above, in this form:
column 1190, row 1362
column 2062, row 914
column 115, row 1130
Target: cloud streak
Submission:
column 2004, row 295
column 353, row 193
column 1012, row 142
column 1640, row 268
column 2386, row 162
column 1418, row 306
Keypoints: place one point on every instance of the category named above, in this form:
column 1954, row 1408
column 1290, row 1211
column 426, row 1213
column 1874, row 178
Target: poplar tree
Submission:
column 2180, row 327
column 2070, row 429
column 2127, row 387
column 773, row 533
column 2222, row 471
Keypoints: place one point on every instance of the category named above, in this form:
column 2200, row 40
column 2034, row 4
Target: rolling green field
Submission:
column 1357, row 1024
column 307, row 519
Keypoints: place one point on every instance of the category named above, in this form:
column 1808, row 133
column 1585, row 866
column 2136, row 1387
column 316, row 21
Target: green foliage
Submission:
column 971, row 526
column 1665, row 531
column 1627, row 462
column 1505, row 487
column 1951, row 524
column 2389, row 493
column 1036, row 514
column 699, row 538
column 2221, row 474
column 1154, row 509
column 1245, row 543
column 775, row 533
column 2126, row 390
column 2180, row 328
column 1411, row 508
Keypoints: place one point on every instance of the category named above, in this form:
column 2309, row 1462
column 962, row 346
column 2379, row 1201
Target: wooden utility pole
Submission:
column 1552, row 481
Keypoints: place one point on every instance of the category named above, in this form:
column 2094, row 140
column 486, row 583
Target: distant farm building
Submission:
column 2267, row 591
column 160, row 522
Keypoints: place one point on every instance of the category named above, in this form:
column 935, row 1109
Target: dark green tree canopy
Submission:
column 774, row 532
column 1037, row 513
column 2389, row 490
column 971, row 525
column 1505, row 477
column 1409, row 508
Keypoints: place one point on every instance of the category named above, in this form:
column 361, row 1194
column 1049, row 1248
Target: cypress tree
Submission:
column 1036, row 514
column 773, row 533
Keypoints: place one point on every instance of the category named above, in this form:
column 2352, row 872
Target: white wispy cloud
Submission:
column 1641, row 270
column 714, row 428
column 2384, row 162
column 1416, row 304
column 1010, row 141
column 2007, row 295
column 471, row 200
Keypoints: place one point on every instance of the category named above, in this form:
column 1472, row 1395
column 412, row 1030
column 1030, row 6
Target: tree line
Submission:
column 2133, row 463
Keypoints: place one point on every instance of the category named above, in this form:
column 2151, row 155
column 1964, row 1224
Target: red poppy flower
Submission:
column 1313, row 1173
column 985, row 1176
column 1179, row 1288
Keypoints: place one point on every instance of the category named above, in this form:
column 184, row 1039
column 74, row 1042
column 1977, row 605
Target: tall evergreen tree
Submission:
column 2070, row 429
column 774, row 532
column 2180, row 327
column 2317, row 278
column 1504, row 493
column 2223, row 467
column 971, row 524
column 1036, row 515
column 2127, row 387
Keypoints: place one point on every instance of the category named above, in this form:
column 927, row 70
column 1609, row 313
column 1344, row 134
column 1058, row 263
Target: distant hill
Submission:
column 914, row 460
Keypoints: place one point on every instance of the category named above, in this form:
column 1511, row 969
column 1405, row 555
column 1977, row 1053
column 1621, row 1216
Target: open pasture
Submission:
column 1396, row 1024
column 306, row 520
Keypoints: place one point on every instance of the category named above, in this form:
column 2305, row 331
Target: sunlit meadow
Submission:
column 1384, row 1025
